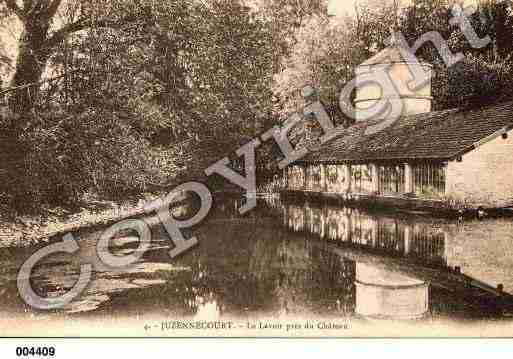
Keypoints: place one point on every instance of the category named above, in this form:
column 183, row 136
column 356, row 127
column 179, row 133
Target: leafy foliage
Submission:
column 327, row 52
column 113, row 96
column 126, row 80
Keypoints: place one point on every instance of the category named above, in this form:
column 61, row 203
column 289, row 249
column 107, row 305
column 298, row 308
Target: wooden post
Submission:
column 303, row 171
column 408, row 178
column 375, row 178
column 324, row 179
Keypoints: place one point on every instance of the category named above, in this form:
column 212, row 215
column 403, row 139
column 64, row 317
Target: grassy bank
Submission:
column 29, row 230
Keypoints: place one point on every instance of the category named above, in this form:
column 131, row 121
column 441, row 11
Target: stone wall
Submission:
column 484, row 176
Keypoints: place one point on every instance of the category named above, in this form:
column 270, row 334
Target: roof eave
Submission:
column 372, row 160
column 483, row 141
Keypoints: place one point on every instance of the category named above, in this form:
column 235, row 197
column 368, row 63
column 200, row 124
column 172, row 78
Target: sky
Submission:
column 342, row 7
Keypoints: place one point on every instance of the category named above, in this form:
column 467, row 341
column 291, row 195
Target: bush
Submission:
column 476, row 81
column 66, row 155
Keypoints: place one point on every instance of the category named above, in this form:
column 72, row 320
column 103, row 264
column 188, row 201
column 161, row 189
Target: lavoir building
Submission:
column 460, row 157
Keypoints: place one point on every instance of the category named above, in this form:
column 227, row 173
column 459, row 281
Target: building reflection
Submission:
column 406, row 267
column 351, row 226
column 312, row 279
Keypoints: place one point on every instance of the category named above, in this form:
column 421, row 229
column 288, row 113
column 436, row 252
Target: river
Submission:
column 327, row 263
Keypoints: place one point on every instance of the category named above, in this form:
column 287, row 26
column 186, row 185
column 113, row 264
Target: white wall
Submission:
column 485, row 176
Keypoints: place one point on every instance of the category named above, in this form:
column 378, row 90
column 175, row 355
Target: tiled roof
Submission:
column 389, row 55
column 441, row 135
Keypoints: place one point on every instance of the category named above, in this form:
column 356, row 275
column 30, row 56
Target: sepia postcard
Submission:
column 255, row 168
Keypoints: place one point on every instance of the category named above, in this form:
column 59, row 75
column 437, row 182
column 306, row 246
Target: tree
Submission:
column 327, row 52
column 39, row 39
column 483, row 75
column 374, row 22
column 124, row 85
column 475, row 82
column 286, row 18
column 324, row 58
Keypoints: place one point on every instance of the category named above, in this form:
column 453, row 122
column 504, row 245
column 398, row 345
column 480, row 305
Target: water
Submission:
column 287, row 261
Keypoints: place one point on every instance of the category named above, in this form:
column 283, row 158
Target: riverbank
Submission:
column 54, row 223
column 30, row 230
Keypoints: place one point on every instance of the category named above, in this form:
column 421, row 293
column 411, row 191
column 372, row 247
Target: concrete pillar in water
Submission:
column 408, row 178
column 386, row 294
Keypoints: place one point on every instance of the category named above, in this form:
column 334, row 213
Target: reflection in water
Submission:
column 397, row 256
column 206, row 308
column 288, row 260
column 383, row 293
column 355, row 227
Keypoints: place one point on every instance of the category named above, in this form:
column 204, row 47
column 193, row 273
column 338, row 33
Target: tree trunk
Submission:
column 30, row 65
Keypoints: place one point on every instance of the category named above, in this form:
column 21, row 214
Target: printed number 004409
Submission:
column 35, row 351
